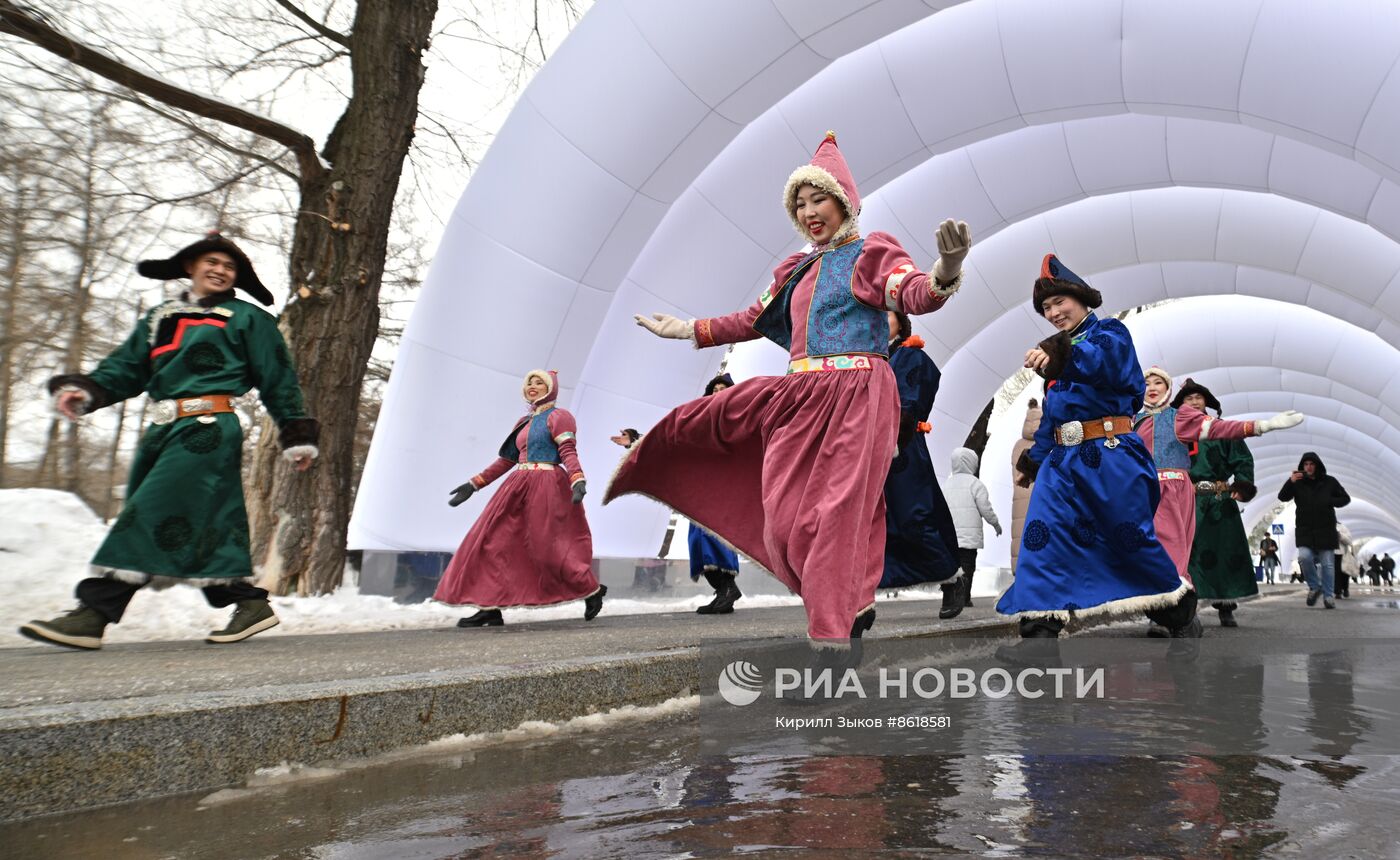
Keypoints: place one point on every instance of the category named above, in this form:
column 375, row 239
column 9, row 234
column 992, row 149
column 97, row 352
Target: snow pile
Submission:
column 47, row 538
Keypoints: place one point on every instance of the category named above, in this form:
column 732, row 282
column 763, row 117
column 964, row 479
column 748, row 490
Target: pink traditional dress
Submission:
column 1170, row 434
column 790, row 470
column 531, row 546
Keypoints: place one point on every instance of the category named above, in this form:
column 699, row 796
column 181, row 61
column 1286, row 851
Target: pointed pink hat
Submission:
column 827, row 171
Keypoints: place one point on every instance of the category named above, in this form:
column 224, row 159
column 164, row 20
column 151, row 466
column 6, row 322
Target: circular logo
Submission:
column 740, row 683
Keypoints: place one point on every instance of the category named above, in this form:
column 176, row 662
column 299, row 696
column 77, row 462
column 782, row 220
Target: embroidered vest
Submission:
column 837, row 322
column 540, row 447
column 1168, row 451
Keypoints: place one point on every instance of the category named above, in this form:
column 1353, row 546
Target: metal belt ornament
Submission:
column 165, row 411
column 822, row 363
column 1071, row 433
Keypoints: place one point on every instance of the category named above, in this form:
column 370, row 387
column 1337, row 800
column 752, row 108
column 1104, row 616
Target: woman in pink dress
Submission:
column 531, row 546
column 790, row 470
column 1171, row 434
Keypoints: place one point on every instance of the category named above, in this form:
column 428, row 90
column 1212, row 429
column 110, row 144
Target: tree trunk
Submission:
column 300, row 520
column 13, row 270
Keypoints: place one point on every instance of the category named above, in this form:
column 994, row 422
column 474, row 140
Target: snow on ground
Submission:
column 47, row 538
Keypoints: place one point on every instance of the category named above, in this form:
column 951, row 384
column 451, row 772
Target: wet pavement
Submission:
column 653, row 788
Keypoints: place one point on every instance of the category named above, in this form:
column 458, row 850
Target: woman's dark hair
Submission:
column 632, row 435
column 906, row 328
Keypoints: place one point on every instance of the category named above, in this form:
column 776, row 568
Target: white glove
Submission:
column 665, row 325
column 1281, row 421
column 953, row 244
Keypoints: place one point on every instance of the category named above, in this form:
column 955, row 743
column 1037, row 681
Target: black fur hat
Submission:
column 169, row 269
column 1057, row 280
column 1190, row 387
column 723, row 379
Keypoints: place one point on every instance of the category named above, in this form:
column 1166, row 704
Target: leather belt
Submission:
column 1074, row 432
column 166, row 411
column 849, row 361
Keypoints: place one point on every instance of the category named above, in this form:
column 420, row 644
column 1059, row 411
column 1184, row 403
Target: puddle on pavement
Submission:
column 649, row 791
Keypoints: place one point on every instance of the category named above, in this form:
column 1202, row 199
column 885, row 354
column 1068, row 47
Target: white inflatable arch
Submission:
column 642, row 167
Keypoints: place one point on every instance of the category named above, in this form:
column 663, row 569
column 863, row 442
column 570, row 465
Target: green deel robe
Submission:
column 184, row 516
column 1221, row 566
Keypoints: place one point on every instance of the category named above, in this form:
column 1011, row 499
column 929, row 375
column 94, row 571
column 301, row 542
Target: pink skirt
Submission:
column 790, row 471
column 1175, row 521
column 530, row 547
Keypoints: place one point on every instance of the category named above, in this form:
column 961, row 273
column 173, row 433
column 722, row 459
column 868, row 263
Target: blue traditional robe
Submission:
column 1089, row 545
column 920, row 541
column 708, row 552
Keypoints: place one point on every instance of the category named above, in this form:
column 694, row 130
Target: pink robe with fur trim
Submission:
column 531, row 546
column 1175, row 520
column 790, row 470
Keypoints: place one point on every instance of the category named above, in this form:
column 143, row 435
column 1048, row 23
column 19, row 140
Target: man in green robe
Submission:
column 1223, row 472
column 184, row 519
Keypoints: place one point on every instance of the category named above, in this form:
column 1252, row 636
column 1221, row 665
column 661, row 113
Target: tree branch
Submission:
column 21, row 22
column 321, row 29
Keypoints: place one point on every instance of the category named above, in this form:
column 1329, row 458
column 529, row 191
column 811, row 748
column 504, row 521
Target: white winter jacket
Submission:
column 967, row 499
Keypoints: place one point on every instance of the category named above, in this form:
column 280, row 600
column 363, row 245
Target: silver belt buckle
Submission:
column 1072, row 433
column 163, row 412
column 1206, row 486
column 200, row 405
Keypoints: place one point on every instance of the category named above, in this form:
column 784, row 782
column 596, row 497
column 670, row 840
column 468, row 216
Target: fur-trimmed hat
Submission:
column 1057, row 280
column 723, row 379
column 244, row 279
column 827, row 171
column 1161, row 374
column 1191, row 386
column 551, row 378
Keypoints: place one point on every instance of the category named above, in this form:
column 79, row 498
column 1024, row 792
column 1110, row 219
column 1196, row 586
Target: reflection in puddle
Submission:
column 654, row 792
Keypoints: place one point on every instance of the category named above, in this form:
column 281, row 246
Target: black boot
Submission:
column 863, row 622
column 726, row 592
column 593, row 604
column 483, row 618
column 952, row 601
column 1227, row 614
column 833, row 660
column 1039, row 645
column 967, row 588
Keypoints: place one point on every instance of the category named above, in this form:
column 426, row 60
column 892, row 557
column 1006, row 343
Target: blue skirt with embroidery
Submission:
column 708, row 553
column 1089, row 546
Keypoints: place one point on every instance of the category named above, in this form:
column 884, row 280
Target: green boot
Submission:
column 250, row 618
column 78, row 628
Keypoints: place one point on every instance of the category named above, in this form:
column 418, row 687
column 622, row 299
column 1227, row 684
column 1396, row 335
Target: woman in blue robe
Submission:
column 1089, row 546
column 920, row 541
column 710, row 557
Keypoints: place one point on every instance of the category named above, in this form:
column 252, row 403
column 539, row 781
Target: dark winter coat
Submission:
column 1317, row 498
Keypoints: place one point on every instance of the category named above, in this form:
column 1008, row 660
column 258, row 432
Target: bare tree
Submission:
column 346, row 194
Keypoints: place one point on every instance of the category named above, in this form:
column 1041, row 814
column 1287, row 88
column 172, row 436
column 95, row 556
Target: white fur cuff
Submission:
column 941, row 291
column 296, row 452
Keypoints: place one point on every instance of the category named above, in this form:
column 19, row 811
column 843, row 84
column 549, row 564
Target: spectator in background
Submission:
column 1268, row 558
column 968, row 501
column 1317, row 495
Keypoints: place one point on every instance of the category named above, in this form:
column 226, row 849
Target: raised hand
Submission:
column 665, row 325
column 954, row 241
